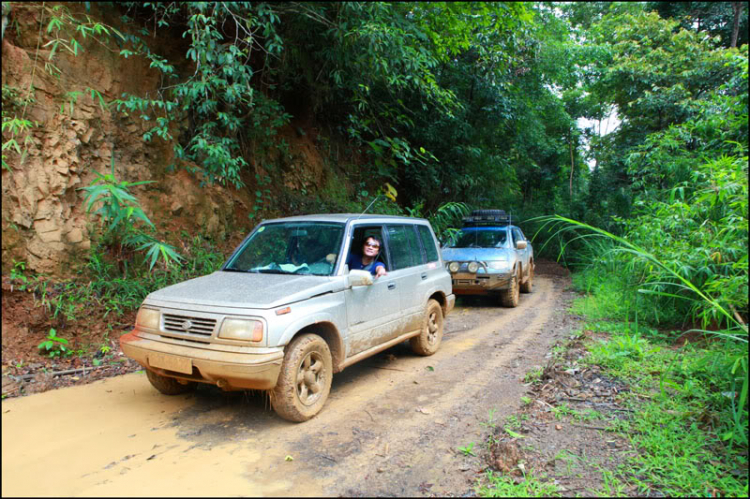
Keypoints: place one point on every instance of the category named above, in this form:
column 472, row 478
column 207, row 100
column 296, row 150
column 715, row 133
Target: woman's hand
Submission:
column 380, row 271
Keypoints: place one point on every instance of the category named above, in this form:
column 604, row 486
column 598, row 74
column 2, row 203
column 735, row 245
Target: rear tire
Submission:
column 527, row 286
column 509, row 297
column 168, row 386
column 305, row 379
column 429, row 339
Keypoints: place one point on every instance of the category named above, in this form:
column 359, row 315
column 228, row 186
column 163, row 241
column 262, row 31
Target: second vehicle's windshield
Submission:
column 480, row 238
column 290, row 248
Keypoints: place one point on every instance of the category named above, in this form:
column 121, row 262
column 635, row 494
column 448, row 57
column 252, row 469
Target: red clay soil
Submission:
column 26, row 323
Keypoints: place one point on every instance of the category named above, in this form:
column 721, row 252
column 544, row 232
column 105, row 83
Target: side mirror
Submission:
column 358, row 278
column 521, row 244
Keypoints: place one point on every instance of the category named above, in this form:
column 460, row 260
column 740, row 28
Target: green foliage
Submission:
column 221, row 99
column 704, row 302
column 18, row 274
column 14, row 125
column 691, row 432
column 714, row 18
column 617, row 350
column 54, row 346
column 495, row 484
column 562, row 410
column 534, row 375
column 114, row 288
column 445, row 218
column 467, row 450
column 120, row 213
column 490, row 423
column 670, row 281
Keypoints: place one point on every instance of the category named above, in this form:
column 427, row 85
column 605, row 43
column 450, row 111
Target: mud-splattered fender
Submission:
column 328, row 312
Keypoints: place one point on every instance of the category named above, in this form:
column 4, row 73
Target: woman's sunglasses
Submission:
column 376, row 246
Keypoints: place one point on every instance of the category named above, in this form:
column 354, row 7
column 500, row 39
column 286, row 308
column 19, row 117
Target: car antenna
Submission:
column 368, row 206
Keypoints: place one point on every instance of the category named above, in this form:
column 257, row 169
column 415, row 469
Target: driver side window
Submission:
column 360, row 235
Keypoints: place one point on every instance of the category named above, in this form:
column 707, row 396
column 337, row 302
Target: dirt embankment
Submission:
column 74, row 136
column 391, row 427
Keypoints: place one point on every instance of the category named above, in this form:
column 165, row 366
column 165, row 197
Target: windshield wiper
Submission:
column 235, row 270
column 271, row 271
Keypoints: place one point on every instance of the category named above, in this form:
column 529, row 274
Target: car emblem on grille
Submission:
column 186, row 325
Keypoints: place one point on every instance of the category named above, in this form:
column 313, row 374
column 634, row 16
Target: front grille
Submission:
column 195, row 327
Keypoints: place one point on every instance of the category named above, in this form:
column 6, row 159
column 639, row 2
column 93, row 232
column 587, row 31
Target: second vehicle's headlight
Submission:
column 241, row 329
column 499, row 265
column 473, row 267
column 454, row 266
column 147, row 318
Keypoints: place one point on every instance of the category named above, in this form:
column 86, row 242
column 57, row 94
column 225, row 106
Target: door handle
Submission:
column 391, row 285
column 424, row 276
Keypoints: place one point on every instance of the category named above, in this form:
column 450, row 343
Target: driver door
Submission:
column 372, row 311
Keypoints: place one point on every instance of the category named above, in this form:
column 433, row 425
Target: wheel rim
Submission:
column 433, row 328
column 310, row 378
column 516, row 288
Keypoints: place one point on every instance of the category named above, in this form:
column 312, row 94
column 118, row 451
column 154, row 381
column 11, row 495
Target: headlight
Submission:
column 473, row 267
column 500, row 265
column 241, row 329
column 454, row 266
column 147, row 318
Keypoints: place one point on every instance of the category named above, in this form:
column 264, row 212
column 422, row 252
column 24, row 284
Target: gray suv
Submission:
column 490, row 256
column 285, row 312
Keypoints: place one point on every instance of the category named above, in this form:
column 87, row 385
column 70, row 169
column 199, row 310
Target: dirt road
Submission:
column 392, row 425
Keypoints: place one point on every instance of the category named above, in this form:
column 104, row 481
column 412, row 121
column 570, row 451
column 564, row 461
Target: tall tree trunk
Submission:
column 737, row 9
column 572, row 163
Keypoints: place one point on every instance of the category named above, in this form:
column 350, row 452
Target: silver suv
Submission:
column 285, row 312
column 490, row 256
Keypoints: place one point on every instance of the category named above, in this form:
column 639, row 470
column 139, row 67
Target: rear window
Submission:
column 403, row 246
column 428, row 242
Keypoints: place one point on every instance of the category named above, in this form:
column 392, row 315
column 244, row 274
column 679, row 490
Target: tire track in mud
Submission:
column 414, row 427
column 391, row 424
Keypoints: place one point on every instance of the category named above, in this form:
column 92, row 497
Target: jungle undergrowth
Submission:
column 687, row 414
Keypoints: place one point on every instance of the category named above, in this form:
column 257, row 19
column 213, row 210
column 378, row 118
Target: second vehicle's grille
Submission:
column 190, row 325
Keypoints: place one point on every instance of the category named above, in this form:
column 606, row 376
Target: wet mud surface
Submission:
column 392, row 424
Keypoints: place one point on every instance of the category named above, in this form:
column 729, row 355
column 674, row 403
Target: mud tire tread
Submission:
column 528, row 285
column 510, row 297
column 420, row 344
column 284, row 398
column 168, row 386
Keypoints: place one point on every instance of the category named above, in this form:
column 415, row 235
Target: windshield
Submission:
column 290, row 248
column 480, row 238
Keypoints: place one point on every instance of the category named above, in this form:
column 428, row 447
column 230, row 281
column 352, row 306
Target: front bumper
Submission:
column 465, row 283
column 229, row 370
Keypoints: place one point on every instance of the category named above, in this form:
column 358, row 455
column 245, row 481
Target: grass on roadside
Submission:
column 498, row 485
column 682, row 424
column 117, row 290
column 107, row 290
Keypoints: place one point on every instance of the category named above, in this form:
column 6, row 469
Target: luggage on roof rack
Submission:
column 487, row 217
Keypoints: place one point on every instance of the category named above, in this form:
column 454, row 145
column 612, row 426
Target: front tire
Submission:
column 509, row 297
column 527, row 286
column 429, row 339
column 168, row 386
column 305, row 379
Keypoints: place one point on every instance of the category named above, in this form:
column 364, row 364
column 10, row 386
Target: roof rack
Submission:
column 487, row 218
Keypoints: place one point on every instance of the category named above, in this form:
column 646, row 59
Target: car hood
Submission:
column 245, row 290
column 476, row 254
